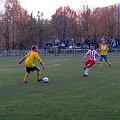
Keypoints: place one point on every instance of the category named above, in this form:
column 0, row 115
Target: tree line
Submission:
column 20, row 30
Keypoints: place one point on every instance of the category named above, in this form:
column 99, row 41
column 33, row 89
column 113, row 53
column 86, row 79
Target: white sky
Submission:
column 48, row 7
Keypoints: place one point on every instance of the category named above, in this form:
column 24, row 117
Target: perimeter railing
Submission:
column 49, row 52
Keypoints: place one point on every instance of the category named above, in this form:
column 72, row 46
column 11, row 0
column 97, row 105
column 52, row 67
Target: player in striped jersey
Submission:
column 92, row 53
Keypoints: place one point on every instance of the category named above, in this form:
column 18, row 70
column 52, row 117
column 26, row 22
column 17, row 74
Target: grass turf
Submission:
column 67, row 96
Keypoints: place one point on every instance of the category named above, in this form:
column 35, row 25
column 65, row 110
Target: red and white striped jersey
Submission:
column 92, row 54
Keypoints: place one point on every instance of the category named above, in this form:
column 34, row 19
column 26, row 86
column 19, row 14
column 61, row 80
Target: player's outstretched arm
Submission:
column 98, row 55
column 43, row 66
column 22, row 60
column 84, row 58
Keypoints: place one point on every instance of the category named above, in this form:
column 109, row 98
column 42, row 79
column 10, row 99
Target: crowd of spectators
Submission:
column 84, row 43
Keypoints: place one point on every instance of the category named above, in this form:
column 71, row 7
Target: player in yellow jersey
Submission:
column 103, row 53
column 29, row 63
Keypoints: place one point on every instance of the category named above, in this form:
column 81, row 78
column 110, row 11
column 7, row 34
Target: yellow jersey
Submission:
column 31, row 57
column 103, row 49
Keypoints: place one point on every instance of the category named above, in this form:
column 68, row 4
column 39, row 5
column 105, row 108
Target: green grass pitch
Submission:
column 67, row 96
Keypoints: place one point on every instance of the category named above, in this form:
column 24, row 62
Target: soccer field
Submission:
column 67, row 96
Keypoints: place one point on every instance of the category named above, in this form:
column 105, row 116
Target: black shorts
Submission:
column 29, row 69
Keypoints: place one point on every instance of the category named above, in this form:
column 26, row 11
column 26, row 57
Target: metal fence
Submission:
column 49, row 52
column 13, row 52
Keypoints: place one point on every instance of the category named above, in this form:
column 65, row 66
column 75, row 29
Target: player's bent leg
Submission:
column 26, row 76
column 85, row 71
column 105, row 57
column 38, row 74
column 109, row 63
column 100, row 62
column 35, row 68
column 88, row 64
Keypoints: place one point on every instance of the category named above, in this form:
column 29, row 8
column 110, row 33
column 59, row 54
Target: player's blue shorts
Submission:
column 29, row 69
column 103, row 56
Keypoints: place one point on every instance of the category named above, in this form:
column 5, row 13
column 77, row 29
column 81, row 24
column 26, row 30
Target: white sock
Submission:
column 86, row 71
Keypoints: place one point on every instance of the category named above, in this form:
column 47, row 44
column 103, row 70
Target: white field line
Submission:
column 54, row 65
column 47, row 62
column 50, row 66
column 57, row 60
column 9, row 66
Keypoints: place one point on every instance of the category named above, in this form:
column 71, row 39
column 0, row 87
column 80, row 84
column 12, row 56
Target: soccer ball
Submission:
column 45, row 80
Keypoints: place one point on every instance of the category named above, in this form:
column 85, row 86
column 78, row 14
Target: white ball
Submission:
column 45, row 79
